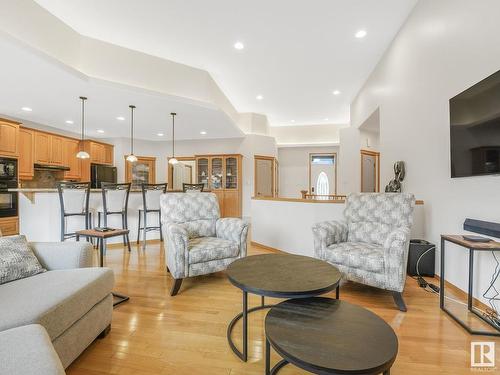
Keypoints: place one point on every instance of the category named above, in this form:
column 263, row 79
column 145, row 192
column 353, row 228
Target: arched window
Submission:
column 322, row 185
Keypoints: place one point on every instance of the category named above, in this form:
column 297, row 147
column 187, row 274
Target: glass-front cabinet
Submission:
column 231, row 164
column 202, row 168
column 217, row 173
column 222, row 175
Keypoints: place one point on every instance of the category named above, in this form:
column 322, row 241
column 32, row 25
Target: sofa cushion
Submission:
column 54, row 299
column 360, row 255
column 204, row 249
column 27, row 350
column 368, row 231
column 17, row 260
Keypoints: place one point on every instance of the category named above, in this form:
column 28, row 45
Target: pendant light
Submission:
column 82, row 154
column 132, row 158
column 173, row 160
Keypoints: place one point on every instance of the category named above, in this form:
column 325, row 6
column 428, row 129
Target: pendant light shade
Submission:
column 132, row 158
column 173, row 160
column 82, row 154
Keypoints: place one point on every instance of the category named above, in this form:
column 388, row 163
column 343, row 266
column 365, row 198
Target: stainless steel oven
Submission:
column 8, row 180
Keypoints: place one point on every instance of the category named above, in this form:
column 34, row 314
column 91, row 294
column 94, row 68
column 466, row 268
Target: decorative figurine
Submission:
column 394, row 186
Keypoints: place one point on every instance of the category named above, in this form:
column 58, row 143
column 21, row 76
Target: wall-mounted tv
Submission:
column 475, row 129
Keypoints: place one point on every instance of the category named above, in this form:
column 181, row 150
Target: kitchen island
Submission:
column 40, row 220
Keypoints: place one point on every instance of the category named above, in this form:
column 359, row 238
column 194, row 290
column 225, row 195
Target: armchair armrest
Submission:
column 233, row 229
column 328, row 233
column 63, row 255
column 396, row 257
column 177, row 255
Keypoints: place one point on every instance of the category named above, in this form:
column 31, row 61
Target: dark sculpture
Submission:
column 394, row 186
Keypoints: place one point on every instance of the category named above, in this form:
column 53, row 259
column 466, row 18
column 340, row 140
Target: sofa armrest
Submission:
column 233, row 229
column 63, row 255
column 177, row 250
column 328, row 233
column 396, row 257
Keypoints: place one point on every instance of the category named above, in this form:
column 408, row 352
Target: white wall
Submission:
column 294, row 168
column 444, row 47
column 306, row 135
column 248, row 146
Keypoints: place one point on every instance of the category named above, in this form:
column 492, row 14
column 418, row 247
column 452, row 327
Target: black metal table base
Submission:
column 470, row 306
column 243, row 355
column 119, row 298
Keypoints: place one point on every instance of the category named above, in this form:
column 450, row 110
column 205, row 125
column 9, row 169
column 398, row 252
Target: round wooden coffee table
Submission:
column 329, row 336
column 279, row 276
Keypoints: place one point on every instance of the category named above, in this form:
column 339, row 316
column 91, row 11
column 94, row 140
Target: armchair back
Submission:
column 372, row 216
column 197, row 212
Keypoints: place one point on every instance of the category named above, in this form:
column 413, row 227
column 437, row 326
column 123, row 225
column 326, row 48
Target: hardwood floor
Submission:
column 154, row 333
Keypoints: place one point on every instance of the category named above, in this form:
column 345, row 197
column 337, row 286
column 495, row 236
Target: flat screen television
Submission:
column 475, row 129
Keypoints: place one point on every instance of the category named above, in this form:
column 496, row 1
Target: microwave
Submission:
column 8, row 169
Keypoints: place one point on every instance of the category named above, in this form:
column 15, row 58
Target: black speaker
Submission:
column 423, row 253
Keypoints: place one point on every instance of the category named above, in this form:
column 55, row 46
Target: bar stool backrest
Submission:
column 74, row 197
column 115, row 197
column 192, row 188
column 151, row 194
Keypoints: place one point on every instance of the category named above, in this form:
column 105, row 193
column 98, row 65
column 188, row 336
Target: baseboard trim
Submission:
column 265, row 247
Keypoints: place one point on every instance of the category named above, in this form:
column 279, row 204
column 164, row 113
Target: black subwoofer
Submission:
column 423, row 255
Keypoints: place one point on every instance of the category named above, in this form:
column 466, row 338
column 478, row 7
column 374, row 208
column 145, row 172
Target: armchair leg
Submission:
column 175, row 287
column 398, row 299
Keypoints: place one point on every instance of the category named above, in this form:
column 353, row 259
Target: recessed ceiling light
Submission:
column 120, row 118
column 360, row 34
column 292, row 121
column 69, row 122
column 336, row 92
column 100, row 131
column 259, row 97
column 160, row 134
column 239, row 45
column 27, row 109
column 325, row 119
column 203, row 132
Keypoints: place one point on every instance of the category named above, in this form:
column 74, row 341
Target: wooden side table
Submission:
column 472, row 246
column 101, row 238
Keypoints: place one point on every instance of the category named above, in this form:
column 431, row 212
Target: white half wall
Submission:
column 444, row 47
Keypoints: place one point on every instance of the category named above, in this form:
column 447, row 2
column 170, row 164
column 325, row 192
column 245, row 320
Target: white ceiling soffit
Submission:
column 296, row 52
column 51, row 90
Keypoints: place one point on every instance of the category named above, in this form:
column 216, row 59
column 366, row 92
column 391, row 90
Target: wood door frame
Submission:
column 273, row 166
column 128, row 168
column 170, row 169
column 376, row 154
column 334, row 168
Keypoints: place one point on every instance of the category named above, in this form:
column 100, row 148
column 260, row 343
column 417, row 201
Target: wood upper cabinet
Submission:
column 42, row 148
column 26, row 153
column 9, row 138
column 56, row 150
column 108, row 154
column 70, row 149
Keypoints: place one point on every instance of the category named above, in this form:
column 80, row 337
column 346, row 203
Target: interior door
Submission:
column 369, row 172
column 264, row 177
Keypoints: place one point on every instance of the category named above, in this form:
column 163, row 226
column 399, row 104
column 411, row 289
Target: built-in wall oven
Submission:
column 8, row 180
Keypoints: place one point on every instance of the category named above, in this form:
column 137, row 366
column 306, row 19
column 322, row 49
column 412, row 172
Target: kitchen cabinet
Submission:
column 9, row 226
column 70, row 149
column 26, row 154
column 221, row 174
column 9, row 138
column 56, row 150
column 108, row 154
column 42, row 148
column 97, row 153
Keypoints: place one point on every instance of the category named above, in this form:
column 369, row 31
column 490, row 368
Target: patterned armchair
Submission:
column 198, row 241
column 371, row 245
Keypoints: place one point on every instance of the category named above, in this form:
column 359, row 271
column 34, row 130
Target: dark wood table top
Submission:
column 96, row 234
column 460, row 240
column 324, row 335
column 283, row 275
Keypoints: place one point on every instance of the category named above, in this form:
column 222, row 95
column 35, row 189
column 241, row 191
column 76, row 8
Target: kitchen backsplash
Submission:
column 43, row 179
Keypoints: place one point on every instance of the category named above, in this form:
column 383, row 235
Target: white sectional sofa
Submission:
column 70, row 305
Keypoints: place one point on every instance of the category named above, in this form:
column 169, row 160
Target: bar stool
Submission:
column 192, row 187
column 74, row 201
column 150, row 203
column 115, row 202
